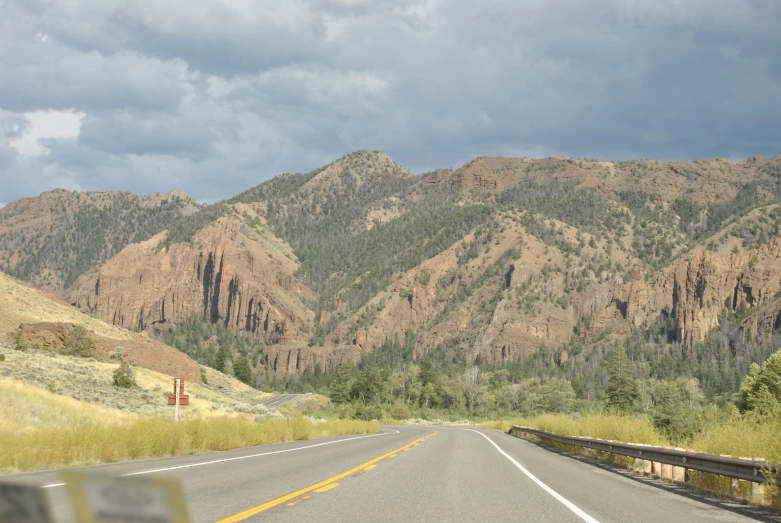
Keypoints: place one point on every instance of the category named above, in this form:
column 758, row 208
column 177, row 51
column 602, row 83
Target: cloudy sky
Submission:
column 214, row 96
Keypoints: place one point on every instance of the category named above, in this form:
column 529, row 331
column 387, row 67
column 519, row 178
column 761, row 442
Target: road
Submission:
column 279, row 400
column 414, row 473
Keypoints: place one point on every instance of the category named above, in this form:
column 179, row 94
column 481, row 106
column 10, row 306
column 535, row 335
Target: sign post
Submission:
column 178, row 397
column 176, row 409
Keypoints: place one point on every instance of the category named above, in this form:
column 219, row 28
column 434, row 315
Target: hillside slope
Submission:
column 52, row 239
column 31, row 319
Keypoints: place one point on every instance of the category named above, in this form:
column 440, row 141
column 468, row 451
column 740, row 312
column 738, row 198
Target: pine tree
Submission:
column 427, row 372
column 620, row 389
column 219, row 360
column 339, row 391
column 243, row 371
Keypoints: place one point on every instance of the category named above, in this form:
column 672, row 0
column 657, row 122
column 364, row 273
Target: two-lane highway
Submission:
column 280, row 399
column 412, row 473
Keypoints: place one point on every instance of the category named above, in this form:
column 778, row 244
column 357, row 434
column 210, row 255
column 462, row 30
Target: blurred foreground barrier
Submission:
column 99, row 498
column 23, row 504
column 678, row 461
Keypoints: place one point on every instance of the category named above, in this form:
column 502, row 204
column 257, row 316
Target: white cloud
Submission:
column 43, row 125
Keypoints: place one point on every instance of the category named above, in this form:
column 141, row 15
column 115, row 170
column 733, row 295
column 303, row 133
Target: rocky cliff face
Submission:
column 695, row 291
column 229, row 273
column 763, row 323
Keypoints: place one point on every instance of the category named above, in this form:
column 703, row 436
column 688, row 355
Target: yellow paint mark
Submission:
column 370, row 467
column 393, row 455
column 327, row 487
column 260, row 508
column 299, row 500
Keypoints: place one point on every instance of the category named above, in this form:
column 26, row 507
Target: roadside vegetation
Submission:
column 41, row 430
column 749, row 429
column 627, row 405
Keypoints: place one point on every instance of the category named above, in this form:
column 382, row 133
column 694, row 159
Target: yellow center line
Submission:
column 327, row 487
column 370, row 467
column 260, row 508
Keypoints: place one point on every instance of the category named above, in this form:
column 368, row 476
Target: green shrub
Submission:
column 18, row 343
column 78, row 343
column 400, row 411
column 2, row 357
column 124, row 376
column 243, row 371
column 204, row 380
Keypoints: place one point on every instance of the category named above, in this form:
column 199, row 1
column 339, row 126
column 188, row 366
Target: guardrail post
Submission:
column 733, row 487
column 656, row 468
column 643, row 465
column 757, row 493
column 679, row 474
column 667, row 471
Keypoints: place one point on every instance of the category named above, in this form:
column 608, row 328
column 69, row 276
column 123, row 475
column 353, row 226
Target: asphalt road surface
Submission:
column 279, row 400
column 413, row 473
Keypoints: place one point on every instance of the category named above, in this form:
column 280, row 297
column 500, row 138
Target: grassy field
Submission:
column 41, row 430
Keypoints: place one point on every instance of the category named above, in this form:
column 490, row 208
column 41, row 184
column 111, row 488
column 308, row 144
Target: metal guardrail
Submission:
column 740, row 468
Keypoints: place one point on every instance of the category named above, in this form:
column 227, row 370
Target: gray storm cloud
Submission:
column 213, row 97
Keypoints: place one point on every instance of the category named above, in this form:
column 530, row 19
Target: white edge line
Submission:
column 52, row 485
column 564, row 501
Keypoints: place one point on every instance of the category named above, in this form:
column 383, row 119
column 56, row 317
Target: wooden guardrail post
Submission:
column 679, row 474
column 757, row 493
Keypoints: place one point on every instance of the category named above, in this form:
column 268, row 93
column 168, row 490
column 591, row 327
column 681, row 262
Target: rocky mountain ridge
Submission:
column 500, row 259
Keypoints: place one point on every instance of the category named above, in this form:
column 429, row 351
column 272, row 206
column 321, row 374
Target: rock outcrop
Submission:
column 763, row 323
column 230, row 273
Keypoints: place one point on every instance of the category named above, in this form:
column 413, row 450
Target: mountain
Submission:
column 501, row 259
column 54, row 238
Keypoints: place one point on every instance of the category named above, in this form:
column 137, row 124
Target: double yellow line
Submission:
column 260, row 508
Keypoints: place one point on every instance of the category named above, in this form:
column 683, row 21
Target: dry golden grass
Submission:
column 743, row 437
column 41, row 430
column 24, row 408
column 628, row 429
